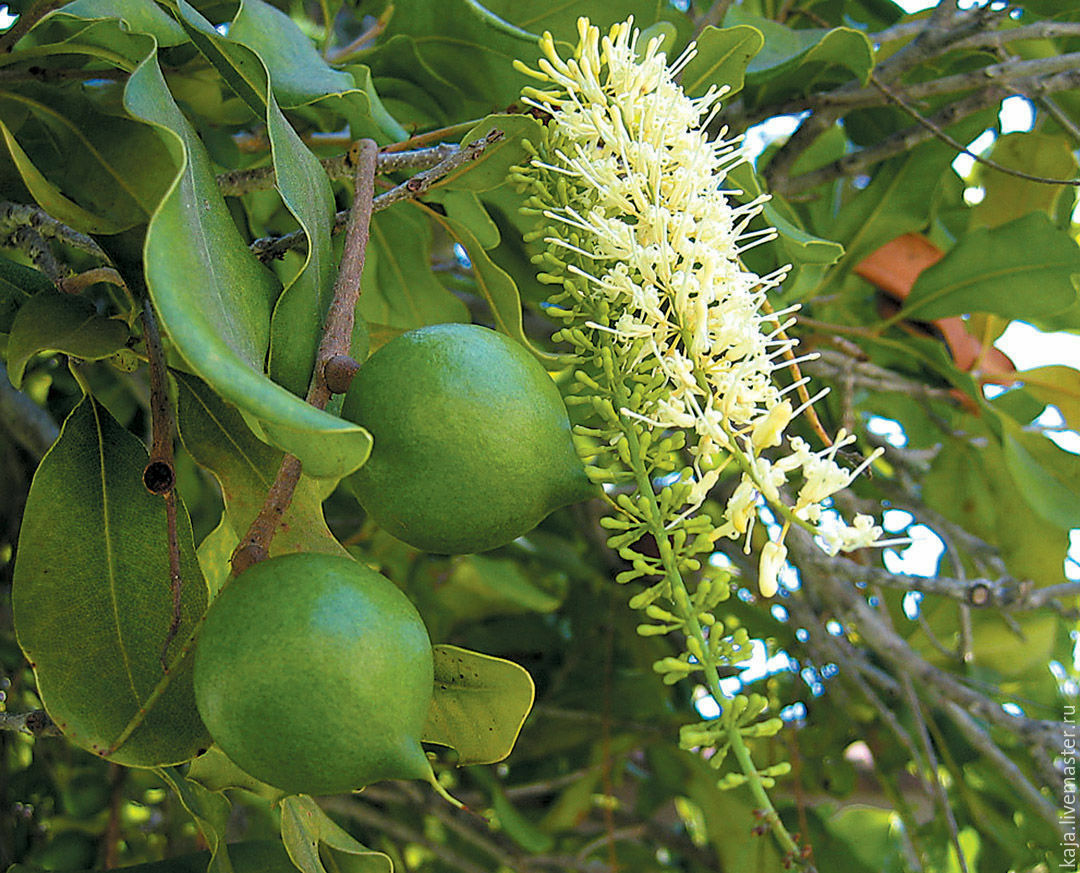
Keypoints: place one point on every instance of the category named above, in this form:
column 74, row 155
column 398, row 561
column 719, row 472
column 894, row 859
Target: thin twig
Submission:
column 35, row 722
column 269, row 248
column 75, row 284
column 14, row 215
column 159, row 477
column 959, row 146
column 236, row 183
column 343, row 54
column 365, row 814
column 28, row 240
column 899, row 143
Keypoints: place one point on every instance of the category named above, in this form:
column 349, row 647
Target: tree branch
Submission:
column 269, row 248
column 898, row 143
column 35, row 722
column 236, row 183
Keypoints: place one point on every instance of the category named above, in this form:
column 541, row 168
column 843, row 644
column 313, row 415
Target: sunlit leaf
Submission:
column 479, row 706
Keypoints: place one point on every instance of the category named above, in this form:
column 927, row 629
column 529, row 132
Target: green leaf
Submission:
column 510, row 821
column 92, row 603
column 215, row 772
column 214, row 553
column 801, row 246
column 467, row 48
column 296, row 326
column 297, row 71
column 55, row 322
column 493, row 283
column 561, row 18
column 113, row 171
column 893, row 204
column 1047, row 477
column 399, row 288
column 1023, row 269
column 237, row 64
column 18, row 284
column 50, row 198
column 1009, row 197
column 211, row 811
column 214, row 297
column 479, row 586
column 479, row 705
column 105, row 40
column 304, row 826
column 140, row 16
column 1059, row 386
column 216, row 436
column 722, row 57
column 798, row 62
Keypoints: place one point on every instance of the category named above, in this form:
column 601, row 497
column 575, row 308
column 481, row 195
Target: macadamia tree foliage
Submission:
column 485, row 436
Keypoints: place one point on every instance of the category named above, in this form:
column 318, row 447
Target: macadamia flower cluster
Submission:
column 646, row 243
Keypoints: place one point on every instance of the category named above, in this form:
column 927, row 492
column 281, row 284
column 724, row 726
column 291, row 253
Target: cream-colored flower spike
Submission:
column 637, row 216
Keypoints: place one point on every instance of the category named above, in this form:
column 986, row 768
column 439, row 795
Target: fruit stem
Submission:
column 433, row 780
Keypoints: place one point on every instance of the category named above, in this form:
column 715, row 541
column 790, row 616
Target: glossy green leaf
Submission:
column 479, row 705
column 464, row 46
column 211, row 811
column 796, row 62
column 893, row 204
column 113, row 169
column 561, row 18
column 214, row 553
column 479, row 586
column 304, row 827
column 92, row 601
column 399, row 288
column 55, row 322
column 990, row 507
column 515, row 825
column 140, row 16
column 722, row 57
column 801, row 246
column 238, row 65
column 214, row 297
column 297, row 71
column 1022, row 269
column 296, row 326
column 216, row 436
column 105, row 40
